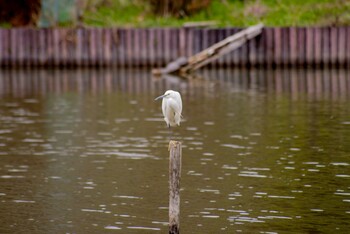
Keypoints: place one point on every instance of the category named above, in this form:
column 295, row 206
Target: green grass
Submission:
column 230, row 13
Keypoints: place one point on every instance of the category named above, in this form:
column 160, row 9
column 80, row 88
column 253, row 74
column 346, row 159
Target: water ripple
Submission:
column 110, row 227
column 143, row 228
column 233, row 146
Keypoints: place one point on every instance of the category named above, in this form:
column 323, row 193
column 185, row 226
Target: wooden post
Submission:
column 174, row 186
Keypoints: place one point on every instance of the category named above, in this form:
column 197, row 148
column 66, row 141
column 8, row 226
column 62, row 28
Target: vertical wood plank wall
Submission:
column 316, row 46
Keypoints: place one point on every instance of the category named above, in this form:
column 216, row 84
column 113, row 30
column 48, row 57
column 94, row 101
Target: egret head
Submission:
column 167, row 94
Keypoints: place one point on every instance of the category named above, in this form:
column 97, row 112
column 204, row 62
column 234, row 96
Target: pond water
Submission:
column 264, row 151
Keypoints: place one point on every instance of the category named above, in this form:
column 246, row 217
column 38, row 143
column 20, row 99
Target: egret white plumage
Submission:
column 171, row 107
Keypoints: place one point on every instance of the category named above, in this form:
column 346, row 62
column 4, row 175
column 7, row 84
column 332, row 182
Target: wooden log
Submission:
column 219, row 49
column 174, row 186
column 171, row 67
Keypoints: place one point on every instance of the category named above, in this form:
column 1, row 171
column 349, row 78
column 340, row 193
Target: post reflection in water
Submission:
column 263, row 151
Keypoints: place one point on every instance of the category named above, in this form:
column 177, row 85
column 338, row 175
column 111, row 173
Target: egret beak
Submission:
column 159, row 97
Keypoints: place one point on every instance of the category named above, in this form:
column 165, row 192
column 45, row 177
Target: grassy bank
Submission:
column 228, row 13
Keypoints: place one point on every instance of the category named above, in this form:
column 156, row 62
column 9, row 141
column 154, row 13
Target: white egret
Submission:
column 171, row 107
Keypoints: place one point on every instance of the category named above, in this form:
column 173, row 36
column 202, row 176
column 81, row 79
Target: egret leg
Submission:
column 170, row 130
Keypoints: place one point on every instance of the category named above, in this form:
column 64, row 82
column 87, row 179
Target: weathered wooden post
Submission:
column 174, row 186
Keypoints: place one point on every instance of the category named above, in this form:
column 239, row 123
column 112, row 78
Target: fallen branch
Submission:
column 183, row 65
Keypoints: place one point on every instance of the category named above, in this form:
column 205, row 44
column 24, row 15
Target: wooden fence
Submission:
column 67, row 47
